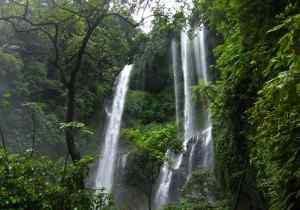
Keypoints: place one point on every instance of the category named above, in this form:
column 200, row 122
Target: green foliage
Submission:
column 142, row 171
column 276, row 119
column 152, row 71
column 10, row 66
column 254, row 102
column 29, row 126
column 42, row 45
column 34, row 182
column 154, row 138
column 202, row 92
column 76, row 125
column 5, row 101
column 200, row 193
column 150, row 144
column 144, row 108
column 34, row 80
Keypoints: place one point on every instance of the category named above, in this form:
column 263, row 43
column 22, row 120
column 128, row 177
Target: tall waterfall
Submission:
column 189, row 126
column 191, row 66
column 106, row 167
column 201, row 54
column 166, row 173
column 200, row 51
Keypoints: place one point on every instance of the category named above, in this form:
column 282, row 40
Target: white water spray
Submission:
column 189, row 108
column 107, row 162
column 166, row 173
column 165, row 178
column 201, row 54
column 191, row 130
column 200, row 50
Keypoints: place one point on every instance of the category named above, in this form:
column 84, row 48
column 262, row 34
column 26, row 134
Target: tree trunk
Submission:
column 237, row 200
column 70, row 140
column 150, row 201
column 74, row 153
column 73, row 150
column 2, row 139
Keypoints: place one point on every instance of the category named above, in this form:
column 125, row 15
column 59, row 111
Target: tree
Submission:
column 29, row 182
column 73, row 32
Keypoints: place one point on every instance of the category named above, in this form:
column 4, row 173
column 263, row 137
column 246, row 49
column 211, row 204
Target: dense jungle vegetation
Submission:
column 255, row 100
column 58, row 63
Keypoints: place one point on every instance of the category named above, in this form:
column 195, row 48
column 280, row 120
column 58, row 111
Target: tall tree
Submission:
column 73, row 31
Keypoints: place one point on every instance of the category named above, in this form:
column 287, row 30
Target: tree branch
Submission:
column 123, row 18
column 127, row 20
column 39, row 27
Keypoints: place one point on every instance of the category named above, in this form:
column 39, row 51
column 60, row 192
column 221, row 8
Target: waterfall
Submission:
column 176, row 79
column 189, row 107
column 165, row 178
column 166, row 172
column 106, row 166
column 201, row 54
column 200, row 50
column 207, row 148
column 191, row 66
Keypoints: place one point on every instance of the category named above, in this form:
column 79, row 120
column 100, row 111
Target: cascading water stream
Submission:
column 166, row 172
column 190, row 127
column 176, row 80
column 165, row 178
column 189, row 107
column 106, row 166
column 200, row 51
column 201, row 54
column 207, row 149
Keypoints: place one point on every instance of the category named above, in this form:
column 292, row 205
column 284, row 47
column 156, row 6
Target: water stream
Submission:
column 179, row 167
column 193, row 64
column 106, row 167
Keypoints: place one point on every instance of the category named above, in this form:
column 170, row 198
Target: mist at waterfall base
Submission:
column 106, row 166
column 197, row 136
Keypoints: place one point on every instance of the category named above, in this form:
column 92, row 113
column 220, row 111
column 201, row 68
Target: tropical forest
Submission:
column 149, row 105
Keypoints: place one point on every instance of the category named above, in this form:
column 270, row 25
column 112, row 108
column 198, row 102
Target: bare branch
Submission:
column 147, row 3
column 127, row 19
